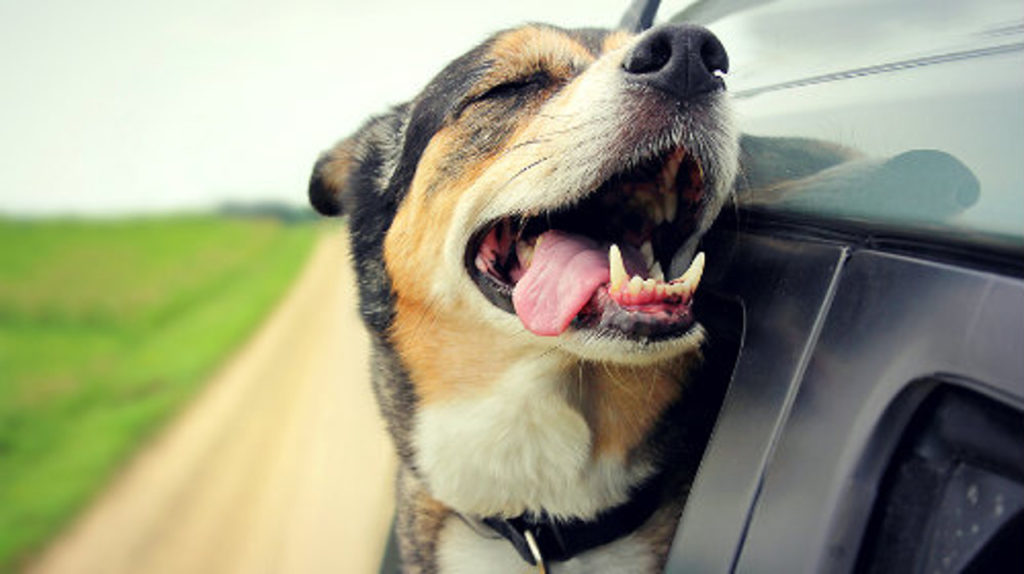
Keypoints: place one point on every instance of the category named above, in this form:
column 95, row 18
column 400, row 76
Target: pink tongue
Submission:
column 565, row 271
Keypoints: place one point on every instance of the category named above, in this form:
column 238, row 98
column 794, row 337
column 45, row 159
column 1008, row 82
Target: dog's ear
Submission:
column 364, row 162
column 329, row 182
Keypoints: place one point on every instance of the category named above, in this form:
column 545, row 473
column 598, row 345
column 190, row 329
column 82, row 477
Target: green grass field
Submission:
column 106, row 328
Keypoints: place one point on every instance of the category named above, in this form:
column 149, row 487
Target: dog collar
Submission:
column 540, row 538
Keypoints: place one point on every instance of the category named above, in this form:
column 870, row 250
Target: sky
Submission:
column 136, row 106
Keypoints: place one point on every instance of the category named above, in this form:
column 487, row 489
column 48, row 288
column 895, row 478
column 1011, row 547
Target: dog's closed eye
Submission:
column 514, row 87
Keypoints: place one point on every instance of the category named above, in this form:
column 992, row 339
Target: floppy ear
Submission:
column 329, row 183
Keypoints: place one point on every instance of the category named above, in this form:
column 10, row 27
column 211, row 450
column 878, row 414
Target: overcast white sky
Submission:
column 121, row 106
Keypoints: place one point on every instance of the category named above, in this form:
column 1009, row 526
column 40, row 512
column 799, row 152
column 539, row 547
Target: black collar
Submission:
column 560, row 540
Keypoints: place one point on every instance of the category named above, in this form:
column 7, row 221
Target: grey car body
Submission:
column 873, row 267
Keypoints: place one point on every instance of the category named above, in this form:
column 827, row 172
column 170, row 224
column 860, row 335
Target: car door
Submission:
column 873, row 418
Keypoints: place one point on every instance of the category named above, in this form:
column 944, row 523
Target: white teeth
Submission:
column 656, row 272
column 671, row 206
column 684, row 285
column 691, row 277
column 636, row 284
column 616, row 268
column 648, row 252
column 524, row 251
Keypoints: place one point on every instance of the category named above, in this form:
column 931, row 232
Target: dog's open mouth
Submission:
column 600, row 264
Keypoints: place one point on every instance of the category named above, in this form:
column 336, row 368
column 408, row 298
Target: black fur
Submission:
column 323, row 197
column 432, row 109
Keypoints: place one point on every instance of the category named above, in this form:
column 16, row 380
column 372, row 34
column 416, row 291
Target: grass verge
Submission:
column 106, row 329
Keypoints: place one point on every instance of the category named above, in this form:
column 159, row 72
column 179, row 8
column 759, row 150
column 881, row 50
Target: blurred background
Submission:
column 183, row 381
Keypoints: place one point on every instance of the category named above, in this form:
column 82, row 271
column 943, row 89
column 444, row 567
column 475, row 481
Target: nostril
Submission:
column 713, row 56
column 649, row 57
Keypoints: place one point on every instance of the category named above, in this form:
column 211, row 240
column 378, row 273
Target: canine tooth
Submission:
column 656, row 272
column 649, row 284
column 616, row 268
column 635, row 285
column 691, row 278
column 648, row 252
column 671, row 206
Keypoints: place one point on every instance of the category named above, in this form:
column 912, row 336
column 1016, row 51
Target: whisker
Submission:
column 618, row 383
column 523, row 144
column 525, row 169
column 547, row 136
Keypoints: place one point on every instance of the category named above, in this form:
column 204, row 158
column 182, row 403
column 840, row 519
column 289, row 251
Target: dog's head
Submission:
column 547, row 190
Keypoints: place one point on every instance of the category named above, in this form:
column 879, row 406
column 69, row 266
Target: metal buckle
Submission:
column 535, row 550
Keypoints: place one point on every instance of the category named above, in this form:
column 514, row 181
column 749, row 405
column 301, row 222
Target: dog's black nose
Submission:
column 682, row 60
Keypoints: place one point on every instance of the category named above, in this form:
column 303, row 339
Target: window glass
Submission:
column 909, row 112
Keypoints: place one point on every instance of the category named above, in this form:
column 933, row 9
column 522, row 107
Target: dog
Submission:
column 525, row 235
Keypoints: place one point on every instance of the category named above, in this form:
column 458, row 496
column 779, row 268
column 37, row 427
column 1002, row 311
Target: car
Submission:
column 868, row 283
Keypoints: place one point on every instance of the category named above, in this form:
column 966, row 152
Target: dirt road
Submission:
column 280, row 465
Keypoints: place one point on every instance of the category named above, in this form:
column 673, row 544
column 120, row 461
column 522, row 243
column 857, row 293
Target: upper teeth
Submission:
column 635, row 285
column 656, row 272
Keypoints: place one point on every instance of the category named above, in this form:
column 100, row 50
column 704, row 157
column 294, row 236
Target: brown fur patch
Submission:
column 417, row 234
column 621, row 403
column 330, row 180
column 341, row 161
column 450, row 355
column 445, row 349
column 422, row 219
column 420, row 519
column 531, row 50
column 616, row 40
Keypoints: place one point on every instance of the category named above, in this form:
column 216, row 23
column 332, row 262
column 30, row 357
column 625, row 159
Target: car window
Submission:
column 908, row 112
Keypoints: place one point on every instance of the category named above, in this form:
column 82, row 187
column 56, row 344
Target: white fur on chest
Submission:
column 461, row 550
column 518, row 445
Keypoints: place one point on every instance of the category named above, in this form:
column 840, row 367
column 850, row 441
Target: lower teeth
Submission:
column 637, row 290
